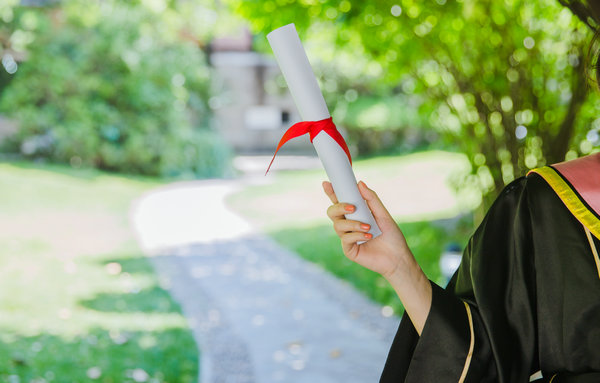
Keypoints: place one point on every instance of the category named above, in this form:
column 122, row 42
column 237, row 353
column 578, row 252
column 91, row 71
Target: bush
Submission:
column 115, row 87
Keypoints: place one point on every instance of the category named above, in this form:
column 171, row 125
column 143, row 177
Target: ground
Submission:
column 95, row 268
column 79, row 300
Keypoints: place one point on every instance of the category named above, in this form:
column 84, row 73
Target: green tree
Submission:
column 19, row 27
column 114, row 86
column 504, row 81
column 588, row 11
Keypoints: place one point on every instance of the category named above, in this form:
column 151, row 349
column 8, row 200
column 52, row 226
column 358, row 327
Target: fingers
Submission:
column 342, row 226
column 338, row 210
column 328, row 188
column 349, row 239
column 375, row 204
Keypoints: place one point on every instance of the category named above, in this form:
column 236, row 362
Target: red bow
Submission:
column 313, row 128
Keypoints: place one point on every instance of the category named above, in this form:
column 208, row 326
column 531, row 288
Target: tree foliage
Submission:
column 113, row 85
column 588, row 11
column 504, row 81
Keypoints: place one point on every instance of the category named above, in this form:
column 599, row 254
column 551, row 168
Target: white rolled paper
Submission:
column 301, row 80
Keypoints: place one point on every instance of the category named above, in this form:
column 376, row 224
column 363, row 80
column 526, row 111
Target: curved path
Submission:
column 259, row 313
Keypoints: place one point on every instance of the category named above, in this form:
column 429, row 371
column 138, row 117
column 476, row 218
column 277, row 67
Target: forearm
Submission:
column 413, row 289
column 388, row 254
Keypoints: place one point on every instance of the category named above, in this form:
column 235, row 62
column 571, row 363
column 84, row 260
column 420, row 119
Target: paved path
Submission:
column 259, row 313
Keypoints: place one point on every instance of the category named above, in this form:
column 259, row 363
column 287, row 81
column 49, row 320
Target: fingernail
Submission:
column 349, row 208
column 368, row 235
column 365, row 226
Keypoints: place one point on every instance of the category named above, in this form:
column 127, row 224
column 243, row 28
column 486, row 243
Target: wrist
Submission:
column 408, row 279
column 405, row 268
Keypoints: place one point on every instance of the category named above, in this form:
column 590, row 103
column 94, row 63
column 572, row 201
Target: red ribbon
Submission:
column 312, row 128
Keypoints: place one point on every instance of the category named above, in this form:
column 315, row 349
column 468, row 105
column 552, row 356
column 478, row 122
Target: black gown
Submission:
column 525, row 299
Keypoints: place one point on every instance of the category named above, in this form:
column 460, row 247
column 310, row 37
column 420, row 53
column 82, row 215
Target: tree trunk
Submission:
column 557, row 149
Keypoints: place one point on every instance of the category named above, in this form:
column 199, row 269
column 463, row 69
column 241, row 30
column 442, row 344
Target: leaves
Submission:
column 113, row 86
column 479, row 72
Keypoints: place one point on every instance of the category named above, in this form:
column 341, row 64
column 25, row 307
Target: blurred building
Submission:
column 253, row 109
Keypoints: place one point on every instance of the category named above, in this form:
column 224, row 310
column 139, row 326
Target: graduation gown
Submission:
column 524, row 304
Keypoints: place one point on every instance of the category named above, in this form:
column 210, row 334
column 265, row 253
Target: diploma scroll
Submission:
column 298, row 74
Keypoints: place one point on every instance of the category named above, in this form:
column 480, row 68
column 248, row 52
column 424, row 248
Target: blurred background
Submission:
column 140, row 240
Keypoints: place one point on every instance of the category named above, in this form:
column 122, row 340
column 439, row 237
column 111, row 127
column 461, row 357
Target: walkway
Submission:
column 259, row 313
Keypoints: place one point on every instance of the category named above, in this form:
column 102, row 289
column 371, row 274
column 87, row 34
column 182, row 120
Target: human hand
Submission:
column 386, row 254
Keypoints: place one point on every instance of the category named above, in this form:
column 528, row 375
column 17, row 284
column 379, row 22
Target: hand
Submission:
column 387, row 254
column 384, row 254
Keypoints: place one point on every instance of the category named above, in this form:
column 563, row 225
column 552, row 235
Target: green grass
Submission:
column 417, row 190
column 79, row 302
column 319, row 244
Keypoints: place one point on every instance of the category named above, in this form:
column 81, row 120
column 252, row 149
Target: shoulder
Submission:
column 531, row 183
column 547, row 188
column 524, row 192
column 517, row 202
column 570, row 187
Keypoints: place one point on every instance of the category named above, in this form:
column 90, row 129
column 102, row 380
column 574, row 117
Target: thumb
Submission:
column 379, row 211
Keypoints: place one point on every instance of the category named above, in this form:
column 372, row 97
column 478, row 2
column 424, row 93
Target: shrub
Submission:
column 115, row 87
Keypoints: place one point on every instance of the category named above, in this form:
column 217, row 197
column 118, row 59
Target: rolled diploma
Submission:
column 301, row 80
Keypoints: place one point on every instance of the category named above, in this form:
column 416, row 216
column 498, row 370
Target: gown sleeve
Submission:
column 481, row 327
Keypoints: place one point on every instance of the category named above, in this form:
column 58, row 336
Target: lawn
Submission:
column 78, row 300
column 417, row 189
